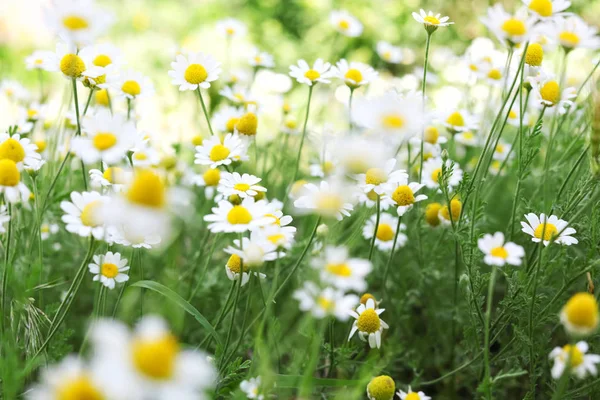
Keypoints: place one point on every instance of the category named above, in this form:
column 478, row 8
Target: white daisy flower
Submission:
column 510, row 29
column 571, row 32
column 338, row 269
column 209, row 179
column 129, row 236
column 131, row 84
column 326, row 200
column 227, row 118
column 325, row 302
column 345, row 23
column 108, row 138
column 322, row 169
column 4, row 218
column 33, row 112
column 20, row 150
column 281, row 236
column 46, row 229
column 547, row 92
column 546, row 9
column 233, row 267
column 498, row 252
column 39, row 59
column 547, row 229
column 106, row 59
column 251, row 388
column 370, row 200
column 246, row 216
column 432, row 172
column 386, row 231
column 354, row 74
column 368, row 324
column 290, row 126
column 389, row 53
column 319, row 72
column 83, row 214
column 254, row 251
column 380, row 180
column 114, row 178
column 431, row 20
column 13, row 90
column 410, row 395
column 239, row 94
column 213, row 152
column 467, row 138
column 261, row 59
column 194, row 70
column 502, row 151
column 109, row 268
column 231, row 27
column 11, row 186
column 351, row 158
column 458, row 120
column 78, row 21
column 404, row 194
column 581, row 364
column 66, row 60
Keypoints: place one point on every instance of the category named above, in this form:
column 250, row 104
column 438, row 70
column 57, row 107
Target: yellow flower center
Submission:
column 72, row 65
column 328, row 167
column 499, row 252
column 140, row 156
column 90, row 214
column 456, row 119
column 31, row 114
column 212, row 177
column 230, row 31
column 431, row 134
column 375, row 176
column 574, row 353
column 114, row 175
column 248, row 124
column 41, row 145
column 381, row 388
column 78, row 388
column 354, row 74
column 291, row 123
column 368, row 321
column 456, row 206
column 514, row 27
column 512, row 114
column 365, row 297
column 582, row 310
column 432, row 212
column 102, row 97
column 393, row 121
column 102, row 60
column 534, row 55
column 339, row 269
column 549, row 232
column 431, row 20
column 9, row 173
column 542, row 7
column 343, row 24
column 412, row 396
column 329, row 203
column 156, row 358
column 276, row 221
column 550, row 92
column 147, row 190
column 109, row 270
column 235, row 264
column 385, row 232
column 403, row 195
column 495, row 74
column 242, row 187
column 132, row 88
column 218, row 153
column 195, row 74
column 436, row 174
column 325, row 304
column 239, row 215
column 75, row 22
column 230, row 126
column 387, row 55
column 500, row 148
column 13, row 150
column 104, row 141
column 277, row 238
column 569, row 39
column 468, row 136
column 312, row 74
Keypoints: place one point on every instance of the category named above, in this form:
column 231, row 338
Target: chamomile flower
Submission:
column 46, row 229
column 145, row 155
column 20, row 150
column 196, row 70
column 11, row 185
column 325, row 302
column 40, row 60
column 131, row 85
column 502, row 151
column 290, row 126
column 209, row 179
column 546, row 9
column 338, row 269
column 449, row 215
column 114, row 178
column 432, row 214
column 231, row 27
column 227, row 118
column 78, row 21
column 509, row 29
column 261, row 59
column 547, row 92
column 246, row 216
column 571, row 33
column 386, row 231
column 108, row 138
column 404, row 194
column 83, row 214
column 389, row 53
column 66, row 60
column 238, row 94
column 547, row 229
column 410, row 395
column 251, row 388
column 432, row 172
column 370, row 200
column 130, row 236
column 467, row 138
column 581, row 363
column 345, row 23
column 281, row 236
column 456, row 120
column 381, row 179
column 368, row 324
column 233, row 267
column 494, row 76
column 354, row 74
column 381, row 388
column 109, row 268
column 580, row 315
column 327, row 200
column 319, row 72
column 498, row 252
column 4, row 218
column 13, row 90
column 430, row 20
column 213, row 152
column 254, row 251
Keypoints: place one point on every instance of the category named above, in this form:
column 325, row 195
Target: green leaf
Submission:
column 181, row 302
column 294, row 381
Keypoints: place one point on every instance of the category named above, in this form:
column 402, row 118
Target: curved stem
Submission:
column 423, row 87
column 376, row 227
column 487, row 383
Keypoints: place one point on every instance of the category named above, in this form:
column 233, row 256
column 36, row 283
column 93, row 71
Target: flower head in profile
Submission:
column 231, row 27
column 580, row 315
column 345, row 23
column 319, row 73
column 78, row 21
column 325, row 302
column 386, row 232
column 226, row 118
column 109, row 268
column 389, row 53
column 576, row 358
column 194, row 70
column 430, row 20
column 381, row 388
column 457, row 120
column 327, row 200
column 114, row 178
column 432, row 173
column 11, row 184
column 548, row 230
column 410, row 395
column 498, row 252
column 381, row 180
column 19, row 149
column 340, row 270
column 214, row 152
column 254, row 251
column 368, row 324
column 354, row 74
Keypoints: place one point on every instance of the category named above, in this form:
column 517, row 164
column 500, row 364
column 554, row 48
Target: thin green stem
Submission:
column 205, row 111
column 376, row 227
column 389, row 261
column 423, row 87
column 6, row 267
column 350, row 125
column 297, row 166
column 487, row 382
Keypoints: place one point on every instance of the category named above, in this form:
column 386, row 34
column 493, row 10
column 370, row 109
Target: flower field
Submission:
column 299, row 200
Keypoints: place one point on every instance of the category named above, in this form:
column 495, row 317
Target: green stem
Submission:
column 376, row 227
column 487, row 382
column 6, row 267
column 389, row 261
column 204, row 111
column 296, row 168
column 350, row 125
column 423, row 87
column 87, row 104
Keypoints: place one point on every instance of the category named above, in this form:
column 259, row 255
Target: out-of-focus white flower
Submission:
column 345, row 23
column 324, row 302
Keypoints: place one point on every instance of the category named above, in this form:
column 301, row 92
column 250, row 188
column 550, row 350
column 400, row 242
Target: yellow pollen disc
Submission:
column 218, row 153
column 230, row 126
column 248, row 124
column 431, row 20
column 432, row 212
column 242, row 187
column 235, row 264
column 13, row 150
column 343, row 24
column 339, row 270
column 114, row 175
column 132, row 88
column 549, row 232
column 212, row 177
column 500, row 148
column 195, row 74
column 574, row 353
column 514, row 27
column 147, row 190
column 329, row 203
column 102, row 97
column 495, row 74
column 387, row 55
column 354, row 75
column 312, row 74
column 375, row 176
column 31, row 114
column 385, row 233
column 512, row 115
column 381, row 388
column 257, row 59
column 499, row 252
column 365, row 297
column 155, row 359
column 89, row 214
column 41, row 145
column 456, row 206
column 38, row 61
column 140, row 156
column 45, row 228
column 534, row 55
column 456, row 119
column 78, row 388
column 239, row 215
column 550, row 92
column 431, row 134
column 277, row 238
column 412, row 396
column 9, row 173
column 582, row 310
column 468, row 135
column 109, row 270
column 325, row 304
column 436, row 174
column 291, row 123
column 75, row 22
column 297, row 186
column 197, row 140
column 403, row 196
column 569, row 39
column 473, row 67
column 230, row 31
column 72, row 65
column 542, row 7
column 102, row 60
column 392, row 121
column 368, row 321
column 104, row 141
column 276, row 221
